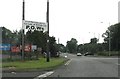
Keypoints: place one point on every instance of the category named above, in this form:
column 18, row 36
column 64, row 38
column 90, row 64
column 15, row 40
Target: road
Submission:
column 83, row 66
column 79, row 66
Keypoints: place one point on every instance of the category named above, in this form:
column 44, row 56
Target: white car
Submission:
column 65, row 56
column 79, row 54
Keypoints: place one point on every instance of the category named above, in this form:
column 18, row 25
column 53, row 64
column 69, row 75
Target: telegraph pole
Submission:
column 58, row 40
column 48, row 53
column 23, row 18
column 109, row 40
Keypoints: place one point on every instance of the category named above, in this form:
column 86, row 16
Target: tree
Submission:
column 92, row 47
column 40, row 39
column 17, row 37
column 61, row 48
column 82, row 48
column 93, row 40
column 112, row 34
column 6, row 35
column 11, row 37
column 36, row 38
column 52, row 46
column 72, row 45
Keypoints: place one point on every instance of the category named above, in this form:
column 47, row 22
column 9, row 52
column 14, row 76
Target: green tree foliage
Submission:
column 10, row 37
column 53, row 46
column 72, row 45
column 40, row 39
column 93, row 40
column 61, row 47
column 80, row 48
column 36, row 38
column 113, row 33
column 6, row 35
column 17, row 37
column 92, row 47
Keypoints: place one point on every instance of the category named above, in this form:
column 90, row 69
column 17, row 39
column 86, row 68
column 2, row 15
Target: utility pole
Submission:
column 58, row 40
column 109, row 40
column 48, row 53
column 23, row 18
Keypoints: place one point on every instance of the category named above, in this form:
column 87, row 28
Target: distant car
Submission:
column 65, row 56
column 88, row 53
column 57, row 54
column 79, row 54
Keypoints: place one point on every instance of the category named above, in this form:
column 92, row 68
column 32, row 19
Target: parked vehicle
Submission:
column 88, row 53
column 79, row 54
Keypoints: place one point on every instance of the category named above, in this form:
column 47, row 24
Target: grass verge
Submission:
column 34, row 64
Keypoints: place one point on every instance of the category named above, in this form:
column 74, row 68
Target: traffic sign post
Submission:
column 32, row 25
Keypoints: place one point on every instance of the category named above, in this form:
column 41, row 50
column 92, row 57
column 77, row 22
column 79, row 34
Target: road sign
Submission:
column 15, row 49
column 32, row 25
column 27, row 48
column 4, row 46
column 34, row 47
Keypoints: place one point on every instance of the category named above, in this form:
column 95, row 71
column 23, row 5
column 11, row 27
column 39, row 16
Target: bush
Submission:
column 5, row 52
column 114, row 53
column 106, row 53
column 103, row 53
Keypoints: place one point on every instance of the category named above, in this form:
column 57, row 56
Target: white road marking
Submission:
column 45, row 75
column 68, row 62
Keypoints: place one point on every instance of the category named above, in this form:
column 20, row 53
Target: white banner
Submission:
column 34, row 47
column 32, row 25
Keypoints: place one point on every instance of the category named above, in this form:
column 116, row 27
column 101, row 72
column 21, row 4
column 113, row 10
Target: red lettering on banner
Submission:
column 15, row 49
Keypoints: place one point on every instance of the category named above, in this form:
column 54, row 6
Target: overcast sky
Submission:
column 80, row 19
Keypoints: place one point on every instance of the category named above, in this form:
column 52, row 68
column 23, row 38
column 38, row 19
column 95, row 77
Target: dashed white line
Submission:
column 44, row 75
column 68, row 62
